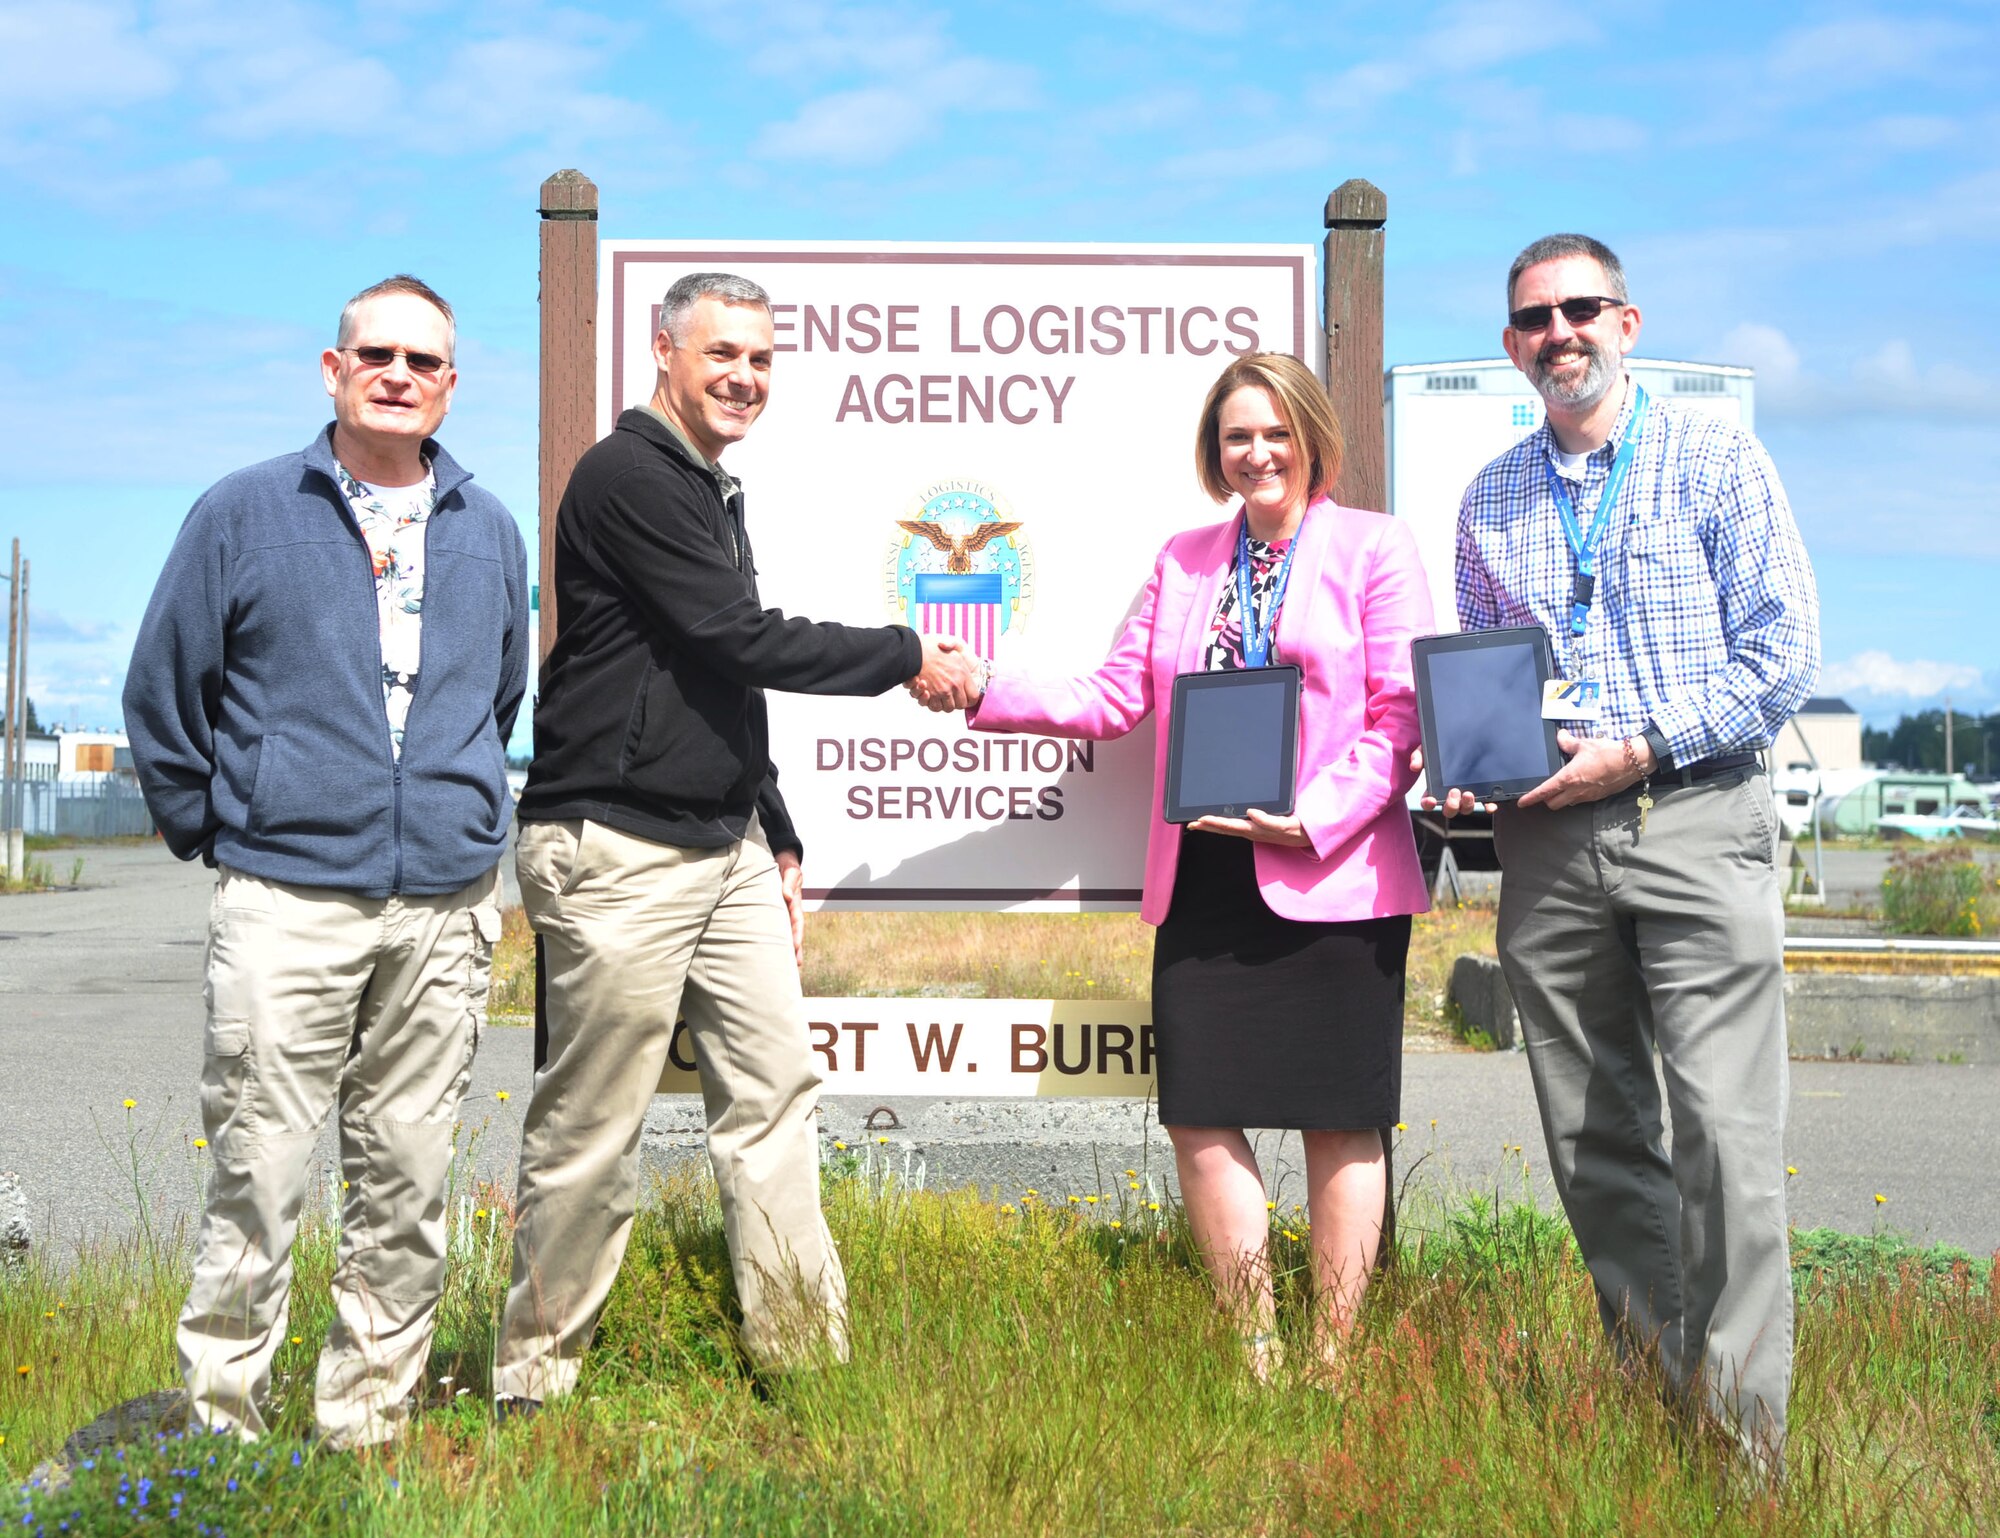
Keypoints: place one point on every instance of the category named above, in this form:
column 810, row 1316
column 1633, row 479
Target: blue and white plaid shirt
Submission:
column 1706, row 619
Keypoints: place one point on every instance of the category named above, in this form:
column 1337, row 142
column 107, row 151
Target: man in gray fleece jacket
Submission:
column 319, row 705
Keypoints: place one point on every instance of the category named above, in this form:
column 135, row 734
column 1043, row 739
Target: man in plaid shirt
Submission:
column 1640, row 907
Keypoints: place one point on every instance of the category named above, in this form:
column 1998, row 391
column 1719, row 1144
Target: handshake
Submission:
column 952, row 677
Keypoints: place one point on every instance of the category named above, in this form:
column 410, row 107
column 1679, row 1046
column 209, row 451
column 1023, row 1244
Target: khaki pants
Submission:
column 317, row 998
column 1614, row 943
column 635, row 935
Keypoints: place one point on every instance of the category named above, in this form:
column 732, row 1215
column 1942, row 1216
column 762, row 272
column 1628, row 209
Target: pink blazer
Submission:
column 1356, row 598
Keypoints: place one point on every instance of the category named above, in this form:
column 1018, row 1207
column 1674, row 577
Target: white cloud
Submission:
column 1201, row 17
column 1767, row 350
column 47, row 626
column 1911, row 131
column 1878, row 673
column 76, row 55
column 875, row 122
column 1276, row 155
column 1887, row 382
column 1860, row 51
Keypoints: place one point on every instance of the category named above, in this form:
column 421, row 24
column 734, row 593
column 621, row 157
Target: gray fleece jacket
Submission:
column 254, row 698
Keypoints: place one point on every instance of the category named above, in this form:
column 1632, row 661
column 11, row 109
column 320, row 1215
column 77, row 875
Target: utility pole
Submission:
column 1948, row 760
column 14, row 853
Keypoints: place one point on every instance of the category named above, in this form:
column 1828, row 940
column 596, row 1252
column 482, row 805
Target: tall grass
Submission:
column 1940, row 889
column 1022, row 1365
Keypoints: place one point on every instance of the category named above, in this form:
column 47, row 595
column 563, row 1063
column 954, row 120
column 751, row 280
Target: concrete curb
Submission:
column 1887, row 1018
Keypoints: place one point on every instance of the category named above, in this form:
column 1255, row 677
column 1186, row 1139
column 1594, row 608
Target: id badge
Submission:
column 1572, row 699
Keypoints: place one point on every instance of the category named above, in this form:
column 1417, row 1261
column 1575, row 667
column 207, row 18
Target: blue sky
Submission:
column 193, row 188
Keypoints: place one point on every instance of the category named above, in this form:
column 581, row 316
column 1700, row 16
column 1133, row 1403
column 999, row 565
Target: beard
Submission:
column 1580, row 390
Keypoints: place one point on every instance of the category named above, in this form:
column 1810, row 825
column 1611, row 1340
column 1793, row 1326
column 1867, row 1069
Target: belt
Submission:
column 1703, row 769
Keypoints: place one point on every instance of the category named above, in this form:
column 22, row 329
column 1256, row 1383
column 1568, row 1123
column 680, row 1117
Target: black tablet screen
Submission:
column 1229, row 742
column 1488, row 708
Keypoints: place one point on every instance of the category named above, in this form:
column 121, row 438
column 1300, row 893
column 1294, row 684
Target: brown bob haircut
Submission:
column 1302, row 405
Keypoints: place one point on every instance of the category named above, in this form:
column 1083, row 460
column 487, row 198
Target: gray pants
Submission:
column 1614, row 943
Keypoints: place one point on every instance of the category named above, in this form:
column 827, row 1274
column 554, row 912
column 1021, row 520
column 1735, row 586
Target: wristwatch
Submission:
column 1656, row 739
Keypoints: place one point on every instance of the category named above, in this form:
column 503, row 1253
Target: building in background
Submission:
column 1826, row 732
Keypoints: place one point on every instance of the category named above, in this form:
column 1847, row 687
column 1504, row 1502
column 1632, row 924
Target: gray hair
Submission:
column 696, row 286
column 1551, row 248
column 401, row 283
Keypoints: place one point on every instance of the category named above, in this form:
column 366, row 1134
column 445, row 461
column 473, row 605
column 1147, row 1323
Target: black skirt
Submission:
column 1262, row 1021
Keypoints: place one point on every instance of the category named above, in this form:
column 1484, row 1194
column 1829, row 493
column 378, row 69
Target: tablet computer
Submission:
column 1479, row 694
column 1233, row 744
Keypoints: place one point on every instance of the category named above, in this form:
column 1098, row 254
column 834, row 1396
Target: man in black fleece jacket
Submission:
column 659, row 866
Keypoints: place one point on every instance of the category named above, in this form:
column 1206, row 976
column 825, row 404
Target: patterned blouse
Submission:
column 393, row 520
column 1224, row 651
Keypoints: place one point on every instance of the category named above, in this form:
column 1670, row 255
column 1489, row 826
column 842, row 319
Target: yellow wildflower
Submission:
column 1880, row 1199
column 1402, row 1126
column 1116, row 1224
column 1092, row 1200
column 500, row 1094
column 130, row 1102
column 839, row 1146
column 201, row 1142
column 1791, row 1169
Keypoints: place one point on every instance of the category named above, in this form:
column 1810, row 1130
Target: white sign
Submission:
column 988, row 1048
column 987, row 441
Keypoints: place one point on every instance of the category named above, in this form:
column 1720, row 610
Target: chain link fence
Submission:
column 43, row 806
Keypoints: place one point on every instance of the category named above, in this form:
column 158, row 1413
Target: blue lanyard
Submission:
column 1583, row 588
column 1257, row 643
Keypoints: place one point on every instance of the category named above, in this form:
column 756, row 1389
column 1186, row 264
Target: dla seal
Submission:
column 960, row 566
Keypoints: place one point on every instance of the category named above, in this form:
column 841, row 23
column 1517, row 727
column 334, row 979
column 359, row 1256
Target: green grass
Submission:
column 1023, row 1366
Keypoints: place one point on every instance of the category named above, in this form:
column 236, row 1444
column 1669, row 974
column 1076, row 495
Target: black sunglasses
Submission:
column 382, row 357
column 1578, row 312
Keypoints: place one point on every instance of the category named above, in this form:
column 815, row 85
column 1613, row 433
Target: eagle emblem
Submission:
column 960, row 565
column 958, row 549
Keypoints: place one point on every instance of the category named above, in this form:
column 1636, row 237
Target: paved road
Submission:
column 100, row 1000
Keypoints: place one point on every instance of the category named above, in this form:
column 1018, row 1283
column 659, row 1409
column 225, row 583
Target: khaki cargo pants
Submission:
column 317, row 999
column 635, row 935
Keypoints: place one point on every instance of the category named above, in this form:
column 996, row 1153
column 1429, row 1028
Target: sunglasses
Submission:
column 1534, row 317
column 382, row 357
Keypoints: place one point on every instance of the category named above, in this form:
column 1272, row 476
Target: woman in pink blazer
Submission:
column 1278, row 966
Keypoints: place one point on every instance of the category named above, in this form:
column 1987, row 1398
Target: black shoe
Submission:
column 513, row 1409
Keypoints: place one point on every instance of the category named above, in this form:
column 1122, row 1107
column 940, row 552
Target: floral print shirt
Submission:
column 393, row 520
column 1224, row 651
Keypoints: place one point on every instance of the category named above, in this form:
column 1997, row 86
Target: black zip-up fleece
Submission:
column 650, row 716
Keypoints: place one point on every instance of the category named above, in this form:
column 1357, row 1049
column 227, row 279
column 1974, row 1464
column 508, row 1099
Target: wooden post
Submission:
column 1356, row 211
column 569, row 358
column 569, row 410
